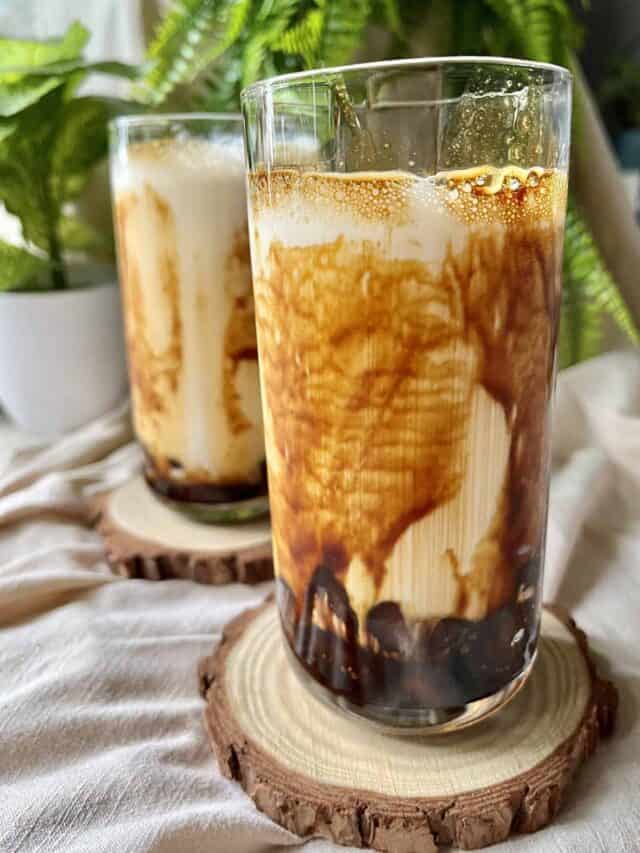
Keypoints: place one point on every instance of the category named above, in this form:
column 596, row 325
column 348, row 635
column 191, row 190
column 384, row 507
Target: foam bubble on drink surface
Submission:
column 409, row 215
column 161, row 157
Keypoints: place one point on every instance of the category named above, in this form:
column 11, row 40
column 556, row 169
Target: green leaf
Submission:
column 18, row 267
column 80, row 143
column 117, row 69
column 6, row 129
column 24, row 169
column 31, row 54
column 20, row 87
column 216, row 47
column 17, row 96
column 23, row 203
column 590, row 294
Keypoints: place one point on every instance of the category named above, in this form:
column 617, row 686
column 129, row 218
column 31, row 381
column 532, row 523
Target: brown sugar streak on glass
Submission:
column 150, row 370
column 240, row 333
column 156, row 376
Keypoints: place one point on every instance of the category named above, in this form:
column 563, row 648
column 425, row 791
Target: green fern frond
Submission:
column 391, row 9
column 332, row 32
column 193, row 35
column 510, row 11
column 544, row 19
column 274, row 36
column 179, row 33
column 304, row 38
column 272, row 21
column 253, row 59
column 542, row 30
column 252, row 54
column 236, row 21
column 343, row 31
column 218, row 46
column 590, row 294
column 217, row 90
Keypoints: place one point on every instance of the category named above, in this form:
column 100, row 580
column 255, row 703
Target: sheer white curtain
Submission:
column 117, row 26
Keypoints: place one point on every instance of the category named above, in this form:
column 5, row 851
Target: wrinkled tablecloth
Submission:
column 102, row 747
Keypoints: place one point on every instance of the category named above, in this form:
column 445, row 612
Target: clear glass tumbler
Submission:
column 179, row 195
column 406, row 222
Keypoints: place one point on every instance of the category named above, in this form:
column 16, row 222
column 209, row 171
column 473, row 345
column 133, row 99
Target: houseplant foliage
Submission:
column 205, row 51
column 50, row 139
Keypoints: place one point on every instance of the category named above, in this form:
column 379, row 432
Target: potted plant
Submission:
column 61, row 343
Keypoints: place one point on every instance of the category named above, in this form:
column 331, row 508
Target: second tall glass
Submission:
column 406, row 225
column 181, row 222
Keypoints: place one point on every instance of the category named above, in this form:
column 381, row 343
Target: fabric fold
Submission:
column 101, row 738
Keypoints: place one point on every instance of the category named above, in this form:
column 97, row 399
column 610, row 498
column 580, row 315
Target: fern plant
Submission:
column 205, row 51
column 590, row 294
column 216, row 47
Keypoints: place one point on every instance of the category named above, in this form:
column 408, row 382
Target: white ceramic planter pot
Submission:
column 62, row 360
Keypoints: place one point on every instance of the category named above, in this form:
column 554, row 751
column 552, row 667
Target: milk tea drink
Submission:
column 181, row 221
column 407, row 288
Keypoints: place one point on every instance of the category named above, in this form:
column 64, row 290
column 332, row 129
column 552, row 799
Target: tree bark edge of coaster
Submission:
column 138, row 556
column 362, row 818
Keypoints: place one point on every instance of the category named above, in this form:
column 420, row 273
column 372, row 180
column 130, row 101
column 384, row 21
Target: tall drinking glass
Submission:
column 406, row 223
column 181, row 221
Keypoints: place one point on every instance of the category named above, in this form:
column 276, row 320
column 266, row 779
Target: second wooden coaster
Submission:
column 144, row 538
column 317, row 771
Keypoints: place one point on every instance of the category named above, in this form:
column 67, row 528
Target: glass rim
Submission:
column 150, row 119
column 390, row 64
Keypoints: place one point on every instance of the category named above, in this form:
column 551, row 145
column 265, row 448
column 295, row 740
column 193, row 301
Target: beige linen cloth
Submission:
column 101, row 742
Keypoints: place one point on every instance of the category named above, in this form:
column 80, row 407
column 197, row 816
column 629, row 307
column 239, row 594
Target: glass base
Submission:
column 234, row 512
column 410, row 722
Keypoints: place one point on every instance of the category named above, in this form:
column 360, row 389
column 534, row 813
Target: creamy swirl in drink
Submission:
column 407, row 329
column 180, row 211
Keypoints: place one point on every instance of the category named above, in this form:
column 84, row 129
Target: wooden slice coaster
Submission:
column 144, row 538
column 316, row 771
